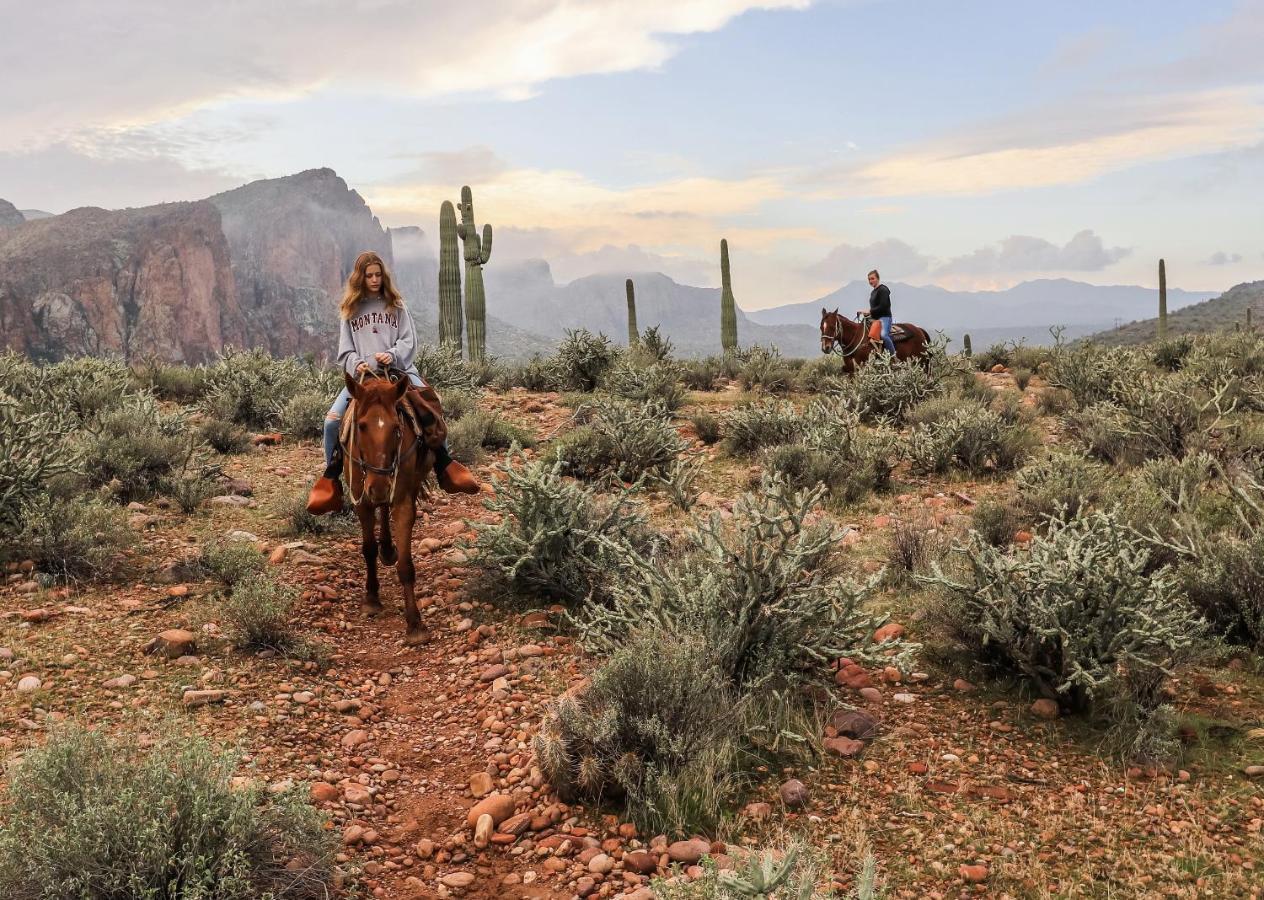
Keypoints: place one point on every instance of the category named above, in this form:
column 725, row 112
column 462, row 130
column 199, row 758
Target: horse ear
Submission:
column 835, row 310
column 352, row 385
column 401, row 388
column 823, row 312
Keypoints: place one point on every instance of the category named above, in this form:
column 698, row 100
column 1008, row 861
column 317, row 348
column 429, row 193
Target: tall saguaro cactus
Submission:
column 965, row 345
column 449, row 280
column 476, row 255
column 1162, row 301
column 728, row 306
column 634, row 336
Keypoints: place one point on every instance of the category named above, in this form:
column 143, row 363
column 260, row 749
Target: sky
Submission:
column 964, row 143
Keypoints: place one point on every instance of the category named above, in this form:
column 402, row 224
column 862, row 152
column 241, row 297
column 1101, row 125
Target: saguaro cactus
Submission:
column 728, row 306
column 1162, row 301
column 634, row 336
column 476, row 255
column 965, row 345
column 449, row 280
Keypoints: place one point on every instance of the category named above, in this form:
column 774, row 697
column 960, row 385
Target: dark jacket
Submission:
column 880, row 302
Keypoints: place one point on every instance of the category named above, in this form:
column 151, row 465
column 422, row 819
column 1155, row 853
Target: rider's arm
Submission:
column 405, row 345
column 348, row 358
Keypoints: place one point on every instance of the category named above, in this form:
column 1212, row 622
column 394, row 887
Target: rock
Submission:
column 871, row 695
column 38, row 615
column 757, row 811
column 962, row 686
column 173, row 643
column 354, row 792
column 244, row 537
column 277, row 556
column 641, row 863
column 601, row 864
column 998, row 369
column 28, row 683
column 240, row 486
column 853, row 676
column 794, row 794
column 903, row 698
column 1044, row 708
column 844, row 747
column 424, row 848
column 201, row 698
column 1253, row 771
column 231, row 500
column 491, row 673
column 123, row 681
column 499, row 806
column 1022, row 537
column 323, row 792
column 483, row 829
column 854, row 723
column 688, row 852
column 480, row 784
column 458, row 879
column 586, row 886
column 973, row 874
column 889, row 632
column 516, row 826
column 271, row 439
column 353, row 739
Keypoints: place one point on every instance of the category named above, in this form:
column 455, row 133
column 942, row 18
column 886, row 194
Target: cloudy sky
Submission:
column 958, row 142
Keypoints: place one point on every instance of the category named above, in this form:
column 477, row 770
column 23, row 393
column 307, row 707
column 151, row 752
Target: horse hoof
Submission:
column 415, row 637
column 388, row 555
column 371, row 607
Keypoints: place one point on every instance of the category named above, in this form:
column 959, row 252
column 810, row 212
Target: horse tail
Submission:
column 925, row 334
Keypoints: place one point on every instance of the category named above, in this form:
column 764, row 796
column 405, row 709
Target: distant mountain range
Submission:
column 1227, row 311
column 263, row 265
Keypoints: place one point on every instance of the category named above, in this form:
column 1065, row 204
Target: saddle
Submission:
column 421, row 408
column 898, row 332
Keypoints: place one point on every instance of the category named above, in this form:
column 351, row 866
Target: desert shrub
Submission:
column 1170, row 355
column 258, row 614
column 231, row 561
column 933, row 410
column 794, row 870
column 485, row 371
column 759, row 591
column 820, row 374
column 1022, row 377
column 224, row 437
column 248, row 387
column 303, row 415
column 885, row 389
column 443, row 367
column 1224, row 579
column 1060, row 481
column 667, row 751
column 70, row 538
column 138, row 446
column 556, row 538
column 1101, row 429
column 1078, row 614
column 658, row 382
column 190, row 488
column 458, row 403
column 655, row 345
column 89, row 385
column 996, row 355
column 582, row 360
column 295, row 520
column 483, row 430
column 966, row 386
column 680, row 482
column 1093, row 374
column 753, row 426
column 1229, row 353
column 35, row 449
column 701, row 374
column 1022, row 356
column 181, row 383
column 994, row 522
column 1054, row 401
column 94, row 815
column 971, row 438
column 1169, row 415
column 834, row 450
column 707, row 427
column 913, row 548
column 765, row 370
column 627, row 440
column 535, row 374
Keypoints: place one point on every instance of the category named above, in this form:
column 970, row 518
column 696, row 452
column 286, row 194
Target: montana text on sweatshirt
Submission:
column 376, row 328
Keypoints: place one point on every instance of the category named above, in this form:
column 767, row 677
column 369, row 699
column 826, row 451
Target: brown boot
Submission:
column 326, row 496
column 456, row 479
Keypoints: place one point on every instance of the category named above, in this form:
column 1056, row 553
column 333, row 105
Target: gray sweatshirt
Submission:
column 376, row 328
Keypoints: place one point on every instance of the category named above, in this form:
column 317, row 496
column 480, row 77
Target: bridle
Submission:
column 401, row 452
column 838, row 346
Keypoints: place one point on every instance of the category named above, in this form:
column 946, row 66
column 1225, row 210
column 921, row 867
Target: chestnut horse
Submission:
column 387, row 465
column 851, row 340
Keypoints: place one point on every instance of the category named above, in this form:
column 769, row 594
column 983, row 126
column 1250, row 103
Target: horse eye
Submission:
column 362, row 425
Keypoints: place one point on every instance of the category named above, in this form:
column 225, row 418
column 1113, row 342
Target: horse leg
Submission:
column 385, row 546
column 368, row 546
column 403, row 515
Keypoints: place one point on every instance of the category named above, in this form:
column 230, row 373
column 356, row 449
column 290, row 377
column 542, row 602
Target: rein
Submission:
column 401, row 454
column 839, row 347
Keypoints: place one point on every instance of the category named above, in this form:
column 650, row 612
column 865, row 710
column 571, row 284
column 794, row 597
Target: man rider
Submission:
column 879, row 311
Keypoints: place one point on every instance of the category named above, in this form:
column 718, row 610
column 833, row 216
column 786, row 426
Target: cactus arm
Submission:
column 486, row 251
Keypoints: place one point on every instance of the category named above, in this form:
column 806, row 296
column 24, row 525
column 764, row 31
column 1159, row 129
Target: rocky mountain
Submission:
column 32, row 214
column 1025, row 311
column 133, row 282
column 9, row 214
column 1217, row 314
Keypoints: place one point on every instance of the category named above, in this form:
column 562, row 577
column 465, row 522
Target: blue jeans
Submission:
column 885, row 321
column 333, row 419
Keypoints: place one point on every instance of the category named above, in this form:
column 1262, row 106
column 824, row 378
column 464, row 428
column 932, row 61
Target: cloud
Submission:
column 848, row 262
column 1070, row 143
column 1020, row 253
column 1220, row 258
column 81, row 64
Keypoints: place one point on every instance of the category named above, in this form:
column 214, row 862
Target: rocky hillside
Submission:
column 1216, row 314
column 137, row 282
column 9, row 214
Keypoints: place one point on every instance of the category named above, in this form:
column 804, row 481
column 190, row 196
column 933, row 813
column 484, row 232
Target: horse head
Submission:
column 377, row 436
column 833, row 329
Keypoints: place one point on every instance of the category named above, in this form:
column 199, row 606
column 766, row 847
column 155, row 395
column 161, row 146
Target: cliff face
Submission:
column 293, row 241
column 132, row 283
column 9, row 214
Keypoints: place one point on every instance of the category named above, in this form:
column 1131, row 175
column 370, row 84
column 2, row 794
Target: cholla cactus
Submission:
column 477, row 253
column 449, row 281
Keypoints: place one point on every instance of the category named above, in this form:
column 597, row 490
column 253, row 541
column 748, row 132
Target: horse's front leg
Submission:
column 371, row 605
column 403, row 515
column 385, row 545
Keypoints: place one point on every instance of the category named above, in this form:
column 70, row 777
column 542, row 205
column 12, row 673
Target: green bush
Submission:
column 36, row 449
column 1060, row 481
column 1102, row 430
column 994, row 522
column 224, row 437
column 767, row 423
column 443, row 368
column 627, row 440
column 1079, row 614
column 88, row 386
column 1170, row 355
column 970, row 438
column 834, row 450
column 1224, row 580
column 248, row 387
column 582, row 360
column 885, row 389
column 536, row 374
column 766, row 371
column 914, row 547
column 190, row 488
column 1054, row 401
column 71, row 538
column 1022, row 377
column 303, row 415
column 137, row 447
column 655, row 345
column 555, row 538
column 181, row 383
column 258, row 614
column 701, row 374
column 291, row 510
column 231, row 561
column 458, row 403
column 483, row 430
column 658, row 382
column 821, row 374
column 707, row 427
column 94, row 816
column 1093, row 374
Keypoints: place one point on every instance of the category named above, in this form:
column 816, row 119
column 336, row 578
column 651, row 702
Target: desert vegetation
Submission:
column 735, row 626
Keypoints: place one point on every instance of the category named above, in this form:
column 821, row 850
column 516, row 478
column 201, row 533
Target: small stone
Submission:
column 586, row 885
column 483, row 829
column 688, row 852
column 962, row 686
column 201, row 698
column 480, row 784
column 1022, row 537
column 354, row 792
column 244, row 537
column 973, row 874
column 793, row 794
column 844, row 747
column 1254, row 771
column 37, row 615
column 871, row 695
column 1044, row 708
column 324, row 792
column 231, row 500
column 277, row 556
column 353, row 739
column 757, row 811
column 173, row 643
column 642, row 863
column 123, row 681
column 601, row 864
column 499, row 806
column 458, row 879
column 903, row 698
column 28, row 683
column 889, row 632
column 854, row 723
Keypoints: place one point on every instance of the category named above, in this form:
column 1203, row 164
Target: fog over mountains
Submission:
column 263, row 266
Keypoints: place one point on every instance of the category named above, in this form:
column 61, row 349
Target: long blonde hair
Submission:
column 355, row 285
